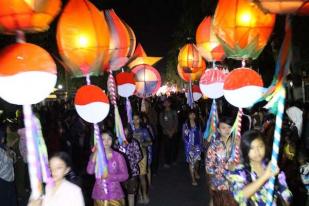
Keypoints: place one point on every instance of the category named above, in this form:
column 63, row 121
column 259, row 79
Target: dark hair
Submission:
column 247, row 138
column 109, row 134
column 71, row 175
column 226, row 120
column 64, row 157
column 196, row 120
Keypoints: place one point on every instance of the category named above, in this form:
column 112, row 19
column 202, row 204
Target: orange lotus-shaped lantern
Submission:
column 82, row 37
column 189, row 58
column 122, row 41
column 299, row 7
column 242, row 28
column 191, row 76
column 207, row 42
column 27, row 15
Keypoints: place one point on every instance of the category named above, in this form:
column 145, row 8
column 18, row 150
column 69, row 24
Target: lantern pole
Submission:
column 213, row 64
column 20, row 36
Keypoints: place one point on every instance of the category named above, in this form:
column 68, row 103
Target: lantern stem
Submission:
column 20, row 36
column 88, row 79
column 243, row 63
column 213, row 64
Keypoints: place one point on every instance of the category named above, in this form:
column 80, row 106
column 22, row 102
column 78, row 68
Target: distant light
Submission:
column 60, row 86
column 291, row 83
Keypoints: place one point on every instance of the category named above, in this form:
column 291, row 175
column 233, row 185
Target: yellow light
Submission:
column 83, row 41
column 245, row 19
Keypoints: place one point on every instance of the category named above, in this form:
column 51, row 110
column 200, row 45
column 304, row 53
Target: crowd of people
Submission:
column 160, row 125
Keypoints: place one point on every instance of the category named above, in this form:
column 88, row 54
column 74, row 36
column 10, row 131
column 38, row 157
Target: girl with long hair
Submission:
column 249, row 181
column 192, row 137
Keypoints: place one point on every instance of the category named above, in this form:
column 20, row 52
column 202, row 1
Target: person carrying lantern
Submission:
column 107, row 191
column 249, row 181
column 216, row 163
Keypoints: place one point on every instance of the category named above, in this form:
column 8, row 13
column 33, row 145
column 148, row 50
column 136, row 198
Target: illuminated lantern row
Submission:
column 27, row 15
column 207, row 42
column 140, row 57
column 242, row 28
column 189, row 58
column 193, row 76
column 91, row 103
column 28, row 74
column 243, row 87
column 82, row 37
column 148, row 80
column 122, row 41
column 299, row 7
column 211, row 83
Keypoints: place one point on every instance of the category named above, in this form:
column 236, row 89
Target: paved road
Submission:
column 172, row 187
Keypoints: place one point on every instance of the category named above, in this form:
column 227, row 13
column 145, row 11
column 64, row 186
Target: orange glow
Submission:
column 193, row 76
column 242, row 28
column 207, row 42
column 82, row 37
column 27, row 15
column 299, row 7
column 190, row 58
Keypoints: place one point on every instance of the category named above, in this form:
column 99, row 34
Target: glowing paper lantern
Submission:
column 243, row 87
column 211, row 83
column 125, row 84
column 27, row 15
column 142, row 58
column 28, row 74
column 82, row 37
column 189, row 58
column 193, row 76
column 91, row 103
column 122, row 41
column 242, row 28
column 148, row 80
column 207, row 42
column 299, row 7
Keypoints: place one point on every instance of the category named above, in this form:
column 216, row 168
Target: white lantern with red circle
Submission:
column 91, row 103
column 243, row 87
column 125, row 84
column 211, row 83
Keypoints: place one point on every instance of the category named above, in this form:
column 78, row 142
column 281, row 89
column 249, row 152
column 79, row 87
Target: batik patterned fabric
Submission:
column 216, row 164
column 134, row 156
column 240, row 177
column 304, row 174
column 192, row 138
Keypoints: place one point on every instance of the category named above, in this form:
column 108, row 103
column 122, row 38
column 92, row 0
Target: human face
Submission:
column 107, row 141
column 257, row 151
column 192, row 116
column 224, row 130
column 58, row 169
column 136, row 120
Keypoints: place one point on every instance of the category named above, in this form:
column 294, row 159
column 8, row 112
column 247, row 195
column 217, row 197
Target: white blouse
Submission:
column 67, row 194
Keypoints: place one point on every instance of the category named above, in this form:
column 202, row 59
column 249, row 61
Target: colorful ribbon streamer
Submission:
column 236, row 137
column 118, row 123
column 101, row 170
column 276, row 99
column 33, row 158
column 212, row 123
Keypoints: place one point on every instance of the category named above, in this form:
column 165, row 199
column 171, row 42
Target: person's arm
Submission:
column 91, row 163
column 138, row 156
column 253, row 187
column 211, row 160
column 122, row 174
